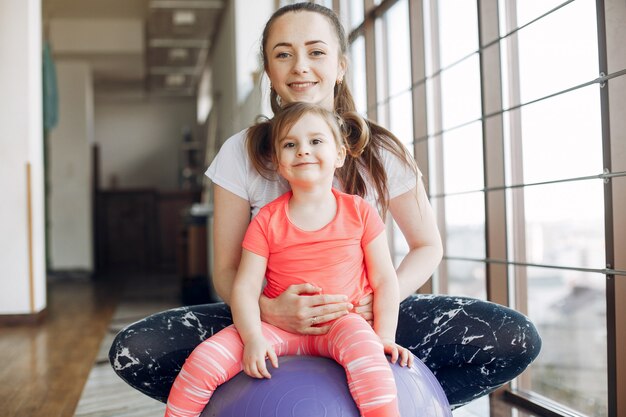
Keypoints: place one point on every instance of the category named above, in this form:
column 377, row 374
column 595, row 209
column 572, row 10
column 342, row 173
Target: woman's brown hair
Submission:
column 364, row 153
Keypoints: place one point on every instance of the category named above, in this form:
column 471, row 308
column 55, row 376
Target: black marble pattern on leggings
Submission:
column 472, row 346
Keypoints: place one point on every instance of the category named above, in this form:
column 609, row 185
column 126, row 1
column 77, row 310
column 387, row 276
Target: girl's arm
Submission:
column 382, row 279
column 415, row 218
column 247, row 316
column 293, row 309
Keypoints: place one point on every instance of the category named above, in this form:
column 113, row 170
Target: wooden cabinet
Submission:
column 137, row 230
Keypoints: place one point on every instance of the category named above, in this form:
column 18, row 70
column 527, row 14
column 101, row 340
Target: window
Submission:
column 358, row 83
column 555, row 130
column 394, row 107
column 530, row 84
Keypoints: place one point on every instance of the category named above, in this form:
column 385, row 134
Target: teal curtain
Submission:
column 50, row 92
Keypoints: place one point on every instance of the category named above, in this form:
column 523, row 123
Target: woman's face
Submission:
column 303, row 58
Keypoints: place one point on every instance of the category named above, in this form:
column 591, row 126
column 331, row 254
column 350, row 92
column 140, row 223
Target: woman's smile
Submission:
column 301, row 85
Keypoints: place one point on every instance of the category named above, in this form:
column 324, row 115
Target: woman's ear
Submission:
column 341, row 71
column 341, row 157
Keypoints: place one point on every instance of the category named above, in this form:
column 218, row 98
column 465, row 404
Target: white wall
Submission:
column 237, row 98
column 224, row 75
column 95, row 36
column 250, row 19
column 70, row 170
column 253, row 93
column 139, row 140
column 22, row 248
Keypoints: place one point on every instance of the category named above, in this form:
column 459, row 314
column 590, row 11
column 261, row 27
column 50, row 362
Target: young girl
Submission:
column 312, row 234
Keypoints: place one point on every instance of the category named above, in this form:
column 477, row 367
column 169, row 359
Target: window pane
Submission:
column 400, row 247
column 354, row 12
column 435, row 183
column 357, row 77
column 401, row 119
column 460, row 91
column 467, row 279
column 569, row 310
column 562, row 136
column 429, row 42
column 382, row 91
column 432, row 104
column 398, row 48
column 463, row 159
column 458, row 30
column 393, row 66
column 528, row 10
column 559, row 51
column 465, row 225
column 565, row 224
column 326, row 3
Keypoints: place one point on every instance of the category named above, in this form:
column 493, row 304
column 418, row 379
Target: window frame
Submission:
column 506, row 280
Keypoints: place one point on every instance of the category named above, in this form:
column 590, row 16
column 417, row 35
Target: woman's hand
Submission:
column 302, row 309
column 397, row 352
column 366, row 308
column 254, row 353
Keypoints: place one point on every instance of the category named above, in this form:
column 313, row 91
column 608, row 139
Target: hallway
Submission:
column 44, row 367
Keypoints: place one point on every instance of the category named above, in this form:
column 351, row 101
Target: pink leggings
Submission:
column 351, row 342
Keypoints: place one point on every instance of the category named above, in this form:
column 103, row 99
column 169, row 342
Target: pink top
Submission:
column 331, row 257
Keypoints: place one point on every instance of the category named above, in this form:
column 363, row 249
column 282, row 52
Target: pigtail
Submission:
column 259, row 147
column 365, row 162
column 356, row 133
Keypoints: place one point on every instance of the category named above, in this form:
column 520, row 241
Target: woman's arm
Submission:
column 294, row 309
column 382, row 278
column 415, row 218
column 231, row 216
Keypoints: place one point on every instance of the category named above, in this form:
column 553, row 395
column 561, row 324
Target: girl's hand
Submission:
column 397, row 352
column 303, row 309
column 254, row 354
column 366, row 308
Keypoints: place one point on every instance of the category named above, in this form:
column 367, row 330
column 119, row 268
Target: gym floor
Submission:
column 59, row 368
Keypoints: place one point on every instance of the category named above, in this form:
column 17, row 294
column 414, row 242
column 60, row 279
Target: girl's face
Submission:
column 309, row 154
column 303, row 58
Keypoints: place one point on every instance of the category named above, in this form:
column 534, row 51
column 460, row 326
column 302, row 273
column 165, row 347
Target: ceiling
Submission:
column 176, row 34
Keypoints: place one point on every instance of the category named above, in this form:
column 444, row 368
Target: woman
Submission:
column 471, row 346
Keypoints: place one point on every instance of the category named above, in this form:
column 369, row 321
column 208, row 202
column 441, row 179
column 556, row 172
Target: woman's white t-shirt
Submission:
column 232, row 170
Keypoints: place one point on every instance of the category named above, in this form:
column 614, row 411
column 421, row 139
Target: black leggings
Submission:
column 472, row 346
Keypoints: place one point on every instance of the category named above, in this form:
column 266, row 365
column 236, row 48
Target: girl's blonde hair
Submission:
column 364, row 139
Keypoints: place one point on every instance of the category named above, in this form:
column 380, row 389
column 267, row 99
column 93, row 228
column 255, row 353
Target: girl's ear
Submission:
column 341, row 157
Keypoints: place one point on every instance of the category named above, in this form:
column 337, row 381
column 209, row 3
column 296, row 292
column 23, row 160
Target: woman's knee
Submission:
column 148, row 354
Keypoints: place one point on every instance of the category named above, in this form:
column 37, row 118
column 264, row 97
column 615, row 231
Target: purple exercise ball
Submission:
column 308, row 386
